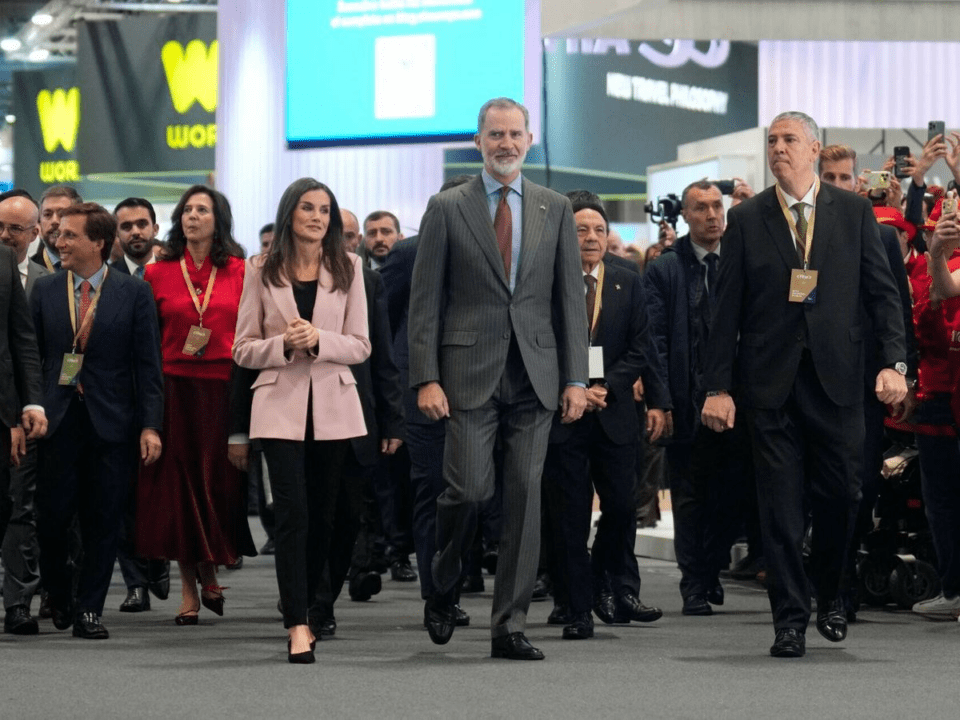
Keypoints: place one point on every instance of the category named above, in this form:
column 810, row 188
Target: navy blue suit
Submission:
column 90, row 452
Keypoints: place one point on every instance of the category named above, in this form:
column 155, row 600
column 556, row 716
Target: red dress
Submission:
column 191, row 503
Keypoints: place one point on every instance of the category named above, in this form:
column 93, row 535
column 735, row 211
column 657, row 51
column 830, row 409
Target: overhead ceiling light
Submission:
column 10, row 44
column 11, row 119
column 42, row 19
column 38, row 55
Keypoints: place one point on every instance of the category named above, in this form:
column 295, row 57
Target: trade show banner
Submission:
column 149, row 88
column 48, row 109
column 614, row 106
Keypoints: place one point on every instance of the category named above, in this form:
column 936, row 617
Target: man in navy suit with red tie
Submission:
column 103, row 393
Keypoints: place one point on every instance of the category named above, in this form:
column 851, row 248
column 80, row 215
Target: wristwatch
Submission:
column 900, row 367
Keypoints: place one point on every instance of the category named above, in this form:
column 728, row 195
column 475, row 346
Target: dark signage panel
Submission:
column 149, row 88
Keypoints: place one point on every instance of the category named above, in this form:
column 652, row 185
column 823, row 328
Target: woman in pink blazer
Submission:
column 302, row 322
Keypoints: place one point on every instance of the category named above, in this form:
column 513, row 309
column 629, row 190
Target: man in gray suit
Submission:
column 20, row 550
column 497, row 334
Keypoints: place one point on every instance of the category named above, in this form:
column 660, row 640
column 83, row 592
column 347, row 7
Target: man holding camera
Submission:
column 799, row 261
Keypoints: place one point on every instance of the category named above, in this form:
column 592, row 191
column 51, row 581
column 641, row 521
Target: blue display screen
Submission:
column 386, row 71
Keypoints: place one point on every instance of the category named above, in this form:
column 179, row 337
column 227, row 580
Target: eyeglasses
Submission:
column 14, row 229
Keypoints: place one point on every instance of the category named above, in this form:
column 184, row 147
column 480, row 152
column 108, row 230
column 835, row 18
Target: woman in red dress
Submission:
column 191, row 504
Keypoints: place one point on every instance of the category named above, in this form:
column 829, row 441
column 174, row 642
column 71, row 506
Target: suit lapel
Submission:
column 476, row 215
column 534, row 216
column 611, row 301
column 109, row 304
column 780, row 231
column 285, row 302
column 823, row 222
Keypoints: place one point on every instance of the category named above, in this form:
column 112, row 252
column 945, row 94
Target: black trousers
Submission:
column 425, row 446
column 81, row 474
column 709, row 478
column 21, row 549
column 302, row 474
column 5, row 504
column 568, row 492
column 807, row 455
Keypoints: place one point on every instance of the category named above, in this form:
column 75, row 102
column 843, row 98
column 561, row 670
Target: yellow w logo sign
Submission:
column 59, row 118
column 191, row 74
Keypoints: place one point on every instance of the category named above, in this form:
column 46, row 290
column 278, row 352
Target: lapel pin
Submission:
column 543, row 207
column 617, row 287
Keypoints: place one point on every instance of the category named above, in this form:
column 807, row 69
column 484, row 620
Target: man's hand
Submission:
column 18, row 445
column 34, row 423
column 573, row 402
column 891, row 387
column 719, row 412
column 596, row 398
column 239, row 455
column 894, row 193
column 946, row 236
column 388, row 446
column 903, row 411
column 432, row 401
column 935, row 148
column 953, row 156
column 638, row 390
column 150, row 446
column 656, row 424
column 667, row 236
column 741, row 192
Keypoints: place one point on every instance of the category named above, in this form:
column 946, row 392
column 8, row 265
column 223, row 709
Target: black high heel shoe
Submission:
column 214, row 603
column 302, row 658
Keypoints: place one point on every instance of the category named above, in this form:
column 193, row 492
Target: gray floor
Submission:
column 382, row 665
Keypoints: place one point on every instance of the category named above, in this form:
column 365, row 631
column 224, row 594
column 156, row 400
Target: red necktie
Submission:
column 85, row 288
column 503, row 226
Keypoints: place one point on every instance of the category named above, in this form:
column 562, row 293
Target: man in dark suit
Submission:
column 103, row 390
column 497, row 333
column 600, row 449
column 788, row 313
column 20, row 552
column 52, row 201
column 136, row 231
column 709, row 471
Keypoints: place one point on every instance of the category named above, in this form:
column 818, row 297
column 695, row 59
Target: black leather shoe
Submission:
column 440, row 616
column 490, row 558
column 269, row 548
column 137, row 600
column 328, row 627
column 605, row 608
column 560, row 615
column 541, row 588
column 696, row 605
column 514, row 646
column 364, row 585
column 715, row 595
column 18, row 621
column 472, row 584
column 159, row 582
column 580, row 629
column 629, row 608
column 45, row 612
column 62, row 616
column 88, row 626
column 832, row 620
column 462, row 619
column 790, row 642
column 401, row 571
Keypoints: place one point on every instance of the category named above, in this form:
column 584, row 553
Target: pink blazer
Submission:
column 280, row 392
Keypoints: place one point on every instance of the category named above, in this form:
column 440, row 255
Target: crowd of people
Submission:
column 463, row 394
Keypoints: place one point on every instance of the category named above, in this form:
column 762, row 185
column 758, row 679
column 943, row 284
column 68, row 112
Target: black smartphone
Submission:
column 725, row 186
column 934, row 128
column 900, row 155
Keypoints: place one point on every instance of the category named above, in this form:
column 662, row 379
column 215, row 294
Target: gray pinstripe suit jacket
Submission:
column 461, row 308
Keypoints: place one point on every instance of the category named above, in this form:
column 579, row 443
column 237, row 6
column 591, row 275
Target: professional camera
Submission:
column 667, row 208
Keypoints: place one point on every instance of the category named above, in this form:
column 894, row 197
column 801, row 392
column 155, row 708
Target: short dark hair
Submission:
column 266, row 228
column 61, row 191
column 98, row 224
column 380, row 215
column 584, row 196
column 135, row 202
column 582, row 200
column 696, row 185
